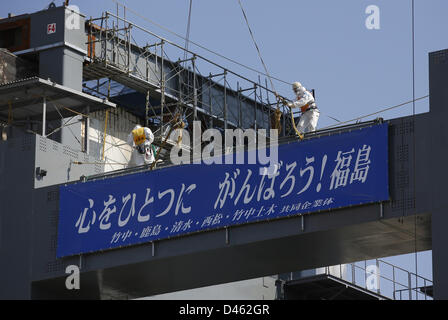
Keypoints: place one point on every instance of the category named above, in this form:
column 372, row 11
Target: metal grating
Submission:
column 43, row 144
column 53, row 220
column 55, row 266
column 72, row 153
column 402, row 179
column 52, row 196
column 439, row 57
column 404, row 128
column 98, row 168
column 53, row 243
column 55, row 146
column 404, row 203
column 403, row 153
column 27, row 142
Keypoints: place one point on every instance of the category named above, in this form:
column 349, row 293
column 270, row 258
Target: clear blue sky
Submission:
column 322, row 43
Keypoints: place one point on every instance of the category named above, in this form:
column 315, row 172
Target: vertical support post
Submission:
column 44, row 116
column 438, row 76
column 86, row 131
column 118, row 14
column 365, row 273
column 147, row 109
column 261, row 103
column 381, row 210
column 156, row 58
column 180, row 109
column 410, row 285
column 255, row 106
column 129, row 46
column 179, row 84
column 105, row 134
column 114, row 43
column 105, row 37
column 378, row 283
column 240, row 118
column 162, row 86
column 210, row 100
column 269, row 105
column 147, row 55
column 393, row 280
column 416, row 286
column 195, row 94
column 101, row 38
column 424, row 286
column 108, row 88
column 225, row 99
column 284, row 123
column 353, row 273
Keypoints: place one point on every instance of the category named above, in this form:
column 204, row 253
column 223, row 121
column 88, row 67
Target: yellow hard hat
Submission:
column 139, row 135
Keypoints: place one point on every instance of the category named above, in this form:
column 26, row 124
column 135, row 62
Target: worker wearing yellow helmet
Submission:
column 310, row 112
column 141, row 139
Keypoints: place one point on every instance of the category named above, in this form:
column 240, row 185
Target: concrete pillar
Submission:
column 438, row 79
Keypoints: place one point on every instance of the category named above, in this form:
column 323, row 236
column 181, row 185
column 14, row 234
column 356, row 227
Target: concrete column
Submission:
column 438, row 78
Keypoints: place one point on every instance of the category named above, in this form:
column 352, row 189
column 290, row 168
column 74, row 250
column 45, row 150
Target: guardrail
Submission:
column 384, row 279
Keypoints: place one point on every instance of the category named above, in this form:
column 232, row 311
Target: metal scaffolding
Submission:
column 222, row 99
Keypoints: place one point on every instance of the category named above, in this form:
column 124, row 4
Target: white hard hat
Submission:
column 297, row 87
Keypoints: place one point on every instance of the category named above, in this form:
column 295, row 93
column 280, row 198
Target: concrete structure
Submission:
column 32, row 166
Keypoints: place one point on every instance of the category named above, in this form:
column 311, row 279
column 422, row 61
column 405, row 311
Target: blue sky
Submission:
column 323, row 44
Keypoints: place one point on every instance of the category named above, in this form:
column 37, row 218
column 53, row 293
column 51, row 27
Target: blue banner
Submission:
column 314, row 175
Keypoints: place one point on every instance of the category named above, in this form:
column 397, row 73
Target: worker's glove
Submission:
column 141, row 149
column 283, row 101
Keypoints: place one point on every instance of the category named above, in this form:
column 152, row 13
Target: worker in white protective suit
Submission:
column 310, row 112
column 141, row 139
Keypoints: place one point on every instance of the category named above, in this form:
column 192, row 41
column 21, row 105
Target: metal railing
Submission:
column 115, row 52
column 384, row 279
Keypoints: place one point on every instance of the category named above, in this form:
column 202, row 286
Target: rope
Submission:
column 256, row 46
column 300, row 135
column 375, row 113
column 278, row 112
column 278, row 116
